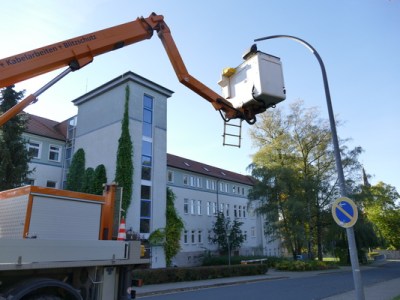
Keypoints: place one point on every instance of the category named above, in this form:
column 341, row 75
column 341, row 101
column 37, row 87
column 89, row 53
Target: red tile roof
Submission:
column 198, row 167
column 47, row 128
column 53, row 129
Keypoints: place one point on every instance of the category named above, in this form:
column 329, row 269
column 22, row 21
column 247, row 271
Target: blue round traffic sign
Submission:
column 344, row 212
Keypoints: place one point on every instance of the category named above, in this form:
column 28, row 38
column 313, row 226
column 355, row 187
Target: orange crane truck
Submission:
column 42, row 260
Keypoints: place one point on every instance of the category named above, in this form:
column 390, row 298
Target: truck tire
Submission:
column 44, row 297
column 32, row 289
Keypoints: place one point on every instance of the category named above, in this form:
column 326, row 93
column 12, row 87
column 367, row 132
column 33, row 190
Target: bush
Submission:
column 298, row 265
column 236, row 260
column 156, row 276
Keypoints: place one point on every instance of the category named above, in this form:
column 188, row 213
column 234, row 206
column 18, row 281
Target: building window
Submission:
column 144, row 225
column 185, row 180
column 214, row 208
column 170, row 176
column 245, row 235
column 208, row 208
column 235, row 211
column 147, row 116
column 146, row 167
column 51, row 184
column 193, row 237
column 199, row 207
column 199, row 182
column 192, row 204
column 186, row 206
column 145, row 208
column 200, row 237
column 234, row 189
column 185, row 237
column 253, row 232
column 209, row 236
column 221, row 208
column 210, row 184
column 146, row 160
column 29, row 181
column 55, row 153
column 227, row 209
column 240, row 211
column 244, row 210
column 34, row 149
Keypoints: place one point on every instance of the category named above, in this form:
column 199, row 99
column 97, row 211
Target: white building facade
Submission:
column 201, row 190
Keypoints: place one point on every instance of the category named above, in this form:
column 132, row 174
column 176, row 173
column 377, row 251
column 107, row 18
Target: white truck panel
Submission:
column 12, row 216
column 67, row 219
column 35, row 251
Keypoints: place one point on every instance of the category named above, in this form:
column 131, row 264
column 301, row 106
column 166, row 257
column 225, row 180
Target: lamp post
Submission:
column 350, row 232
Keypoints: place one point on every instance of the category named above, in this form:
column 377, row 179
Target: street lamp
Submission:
column 339, row 167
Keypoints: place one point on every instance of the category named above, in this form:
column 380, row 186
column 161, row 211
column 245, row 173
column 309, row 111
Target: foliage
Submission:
column 211, row 260
column 76, row 172
column 298, row 265
column 169, row 237
column 296, row 176
column 381, row 209
column 99, row 179
column 157, row 237
column 157, row 276
column 173, row 228
column 124, row 165
column 87, row 186
column 13, row 152
column 227, row 233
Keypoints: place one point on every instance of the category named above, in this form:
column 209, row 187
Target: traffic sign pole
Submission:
column 345, row 214
column 354, row 263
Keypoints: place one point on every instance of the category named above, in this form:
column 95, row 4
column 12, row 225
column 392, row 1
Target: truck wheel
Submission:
column 44, row 297
column 41, row 289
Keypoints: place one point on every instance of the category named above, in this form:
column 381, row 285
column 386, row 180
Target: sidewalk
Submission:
column 386, row 290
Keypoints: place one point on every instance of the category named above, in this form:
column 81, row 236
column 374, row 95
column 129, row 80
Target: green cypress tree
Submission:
column 14, row 156
column 87, row 186
column 76, row 172
column 100, row 178
column 124, row 165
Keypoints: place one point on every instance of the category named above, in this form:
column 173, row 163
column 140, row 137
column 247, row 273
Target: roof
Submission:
column 178, row 162
column 128, row 76
column 53, row 129
column 47, row 128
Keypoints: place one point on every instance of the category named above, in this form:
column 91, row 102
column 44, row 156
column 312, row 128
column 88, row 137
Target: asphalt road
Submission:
column 315, row 287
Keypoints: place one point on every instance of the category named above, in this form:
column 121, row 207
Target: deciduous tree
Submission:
column 296, row 173
column 227, row 233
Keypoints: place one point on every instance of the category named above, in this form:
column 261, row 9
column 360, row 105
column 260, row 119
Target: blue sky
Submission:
column 358, row 40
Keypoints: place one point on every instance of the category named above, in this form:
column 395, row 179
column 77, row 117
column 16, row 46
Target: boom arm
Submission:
column 80, row 51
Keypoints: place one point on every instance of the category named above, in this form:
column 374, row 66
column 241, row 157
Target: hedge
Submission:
column 298, row 265
column 156, row 276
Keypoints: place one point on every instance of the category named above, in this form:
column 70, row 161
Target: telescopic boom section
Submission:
column 80, row 51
